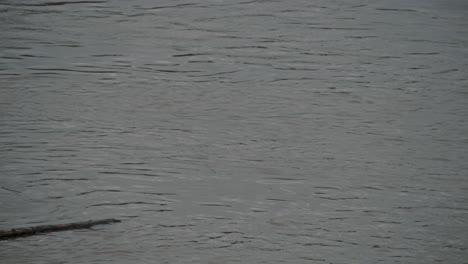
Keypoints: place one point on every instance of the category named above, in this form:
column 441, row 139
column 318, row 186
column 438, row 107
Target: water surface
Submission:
column 235, row 131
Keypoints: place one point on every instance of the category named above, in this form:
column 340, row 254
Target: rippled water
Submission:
column 235, row 131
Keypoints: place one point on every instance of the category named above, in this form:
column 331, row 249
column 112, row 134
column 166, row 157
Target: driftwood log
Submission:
column 34, row 230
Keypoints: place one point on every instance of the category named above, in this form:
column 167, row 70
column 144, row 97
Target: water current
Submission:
column 235, row 131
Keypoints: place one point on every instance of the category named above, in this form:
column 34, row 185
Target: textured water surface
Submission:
column 235, row 131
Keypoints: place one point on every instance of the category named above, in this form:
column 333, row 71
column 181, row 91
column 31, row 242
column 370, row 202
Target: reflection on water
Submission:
column 235, row 131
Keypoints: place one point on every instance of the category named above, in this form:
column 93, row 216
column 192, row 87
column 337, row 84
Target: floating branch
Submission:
column 35, row 230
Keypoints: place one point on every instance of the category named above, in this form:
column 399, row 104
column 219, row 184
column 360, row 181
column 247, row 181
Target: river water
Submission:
column 235, row 131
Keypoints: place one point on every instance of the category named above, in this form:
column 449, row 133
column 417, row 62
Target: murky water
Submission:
column 235, row 131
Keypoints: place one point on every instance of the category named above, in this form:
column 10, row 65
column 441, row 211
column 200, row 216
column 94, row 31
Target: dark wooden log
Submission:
column 34, row 230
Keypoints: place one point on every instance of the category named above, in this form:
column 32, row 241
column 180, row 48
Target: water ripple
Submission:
column 243, row 131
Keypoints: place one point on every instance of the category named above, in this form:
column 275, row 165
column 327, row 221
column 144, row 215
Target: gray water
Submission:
column 235, row 131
